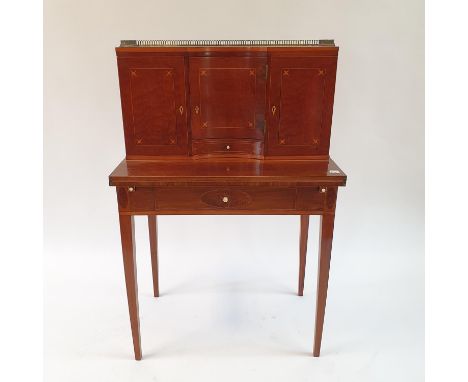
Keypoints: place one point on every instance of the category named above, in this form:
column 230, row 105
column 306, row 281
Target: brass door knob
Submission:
column 131, row 189
column 225, row 199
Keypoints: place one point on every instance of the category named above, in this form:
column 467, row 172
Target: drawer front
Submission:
column 135, row 198
column 261, row 199
column 209, row 198
column 228, row 147
column 310, row 198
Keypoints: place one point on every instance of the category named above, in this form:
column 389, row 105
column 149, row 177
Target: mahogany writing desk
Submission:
column 227, row 127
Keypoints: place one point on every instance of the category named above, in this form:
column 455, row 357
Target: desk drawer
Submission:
column 261, row 199
column 228, row 147
column 135, row 198
column 220, row 198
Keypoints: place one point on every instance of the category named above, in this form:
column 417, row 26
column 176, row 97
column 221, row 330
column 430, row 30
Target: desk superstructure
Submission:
column 227, row 127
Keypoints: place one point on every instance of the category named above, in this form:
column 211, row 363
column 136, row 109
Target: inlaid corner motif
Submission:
column 286, row 72
column 205, row 124
column 321, row 72
column 203, row 72
column 252, row 72
column 133, row 73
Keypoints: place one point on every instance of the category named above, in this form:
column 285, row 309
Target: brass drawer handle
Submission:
column 323, row 190
column 131, row 189
column 273, row 110
column 228, row 147
column 225, row 199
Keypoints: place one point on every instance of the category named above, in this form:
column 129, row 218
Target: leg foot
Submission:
column 128, row 250
column 326, row 238
column 303, row 252
column 153, row 235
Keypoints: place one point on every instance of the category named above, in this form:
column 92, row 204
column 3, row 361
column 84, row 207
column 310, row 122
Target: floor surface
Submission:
column 228, row 309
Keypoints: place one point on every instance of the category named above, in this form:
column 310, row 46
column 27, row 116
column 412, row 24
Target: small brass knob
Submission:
column 225, row 199
column 323, row 189
column 131, row 189
column 228, row 147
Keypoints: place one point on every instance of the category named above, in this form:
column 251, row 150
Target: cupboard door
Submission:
column 154, row 108
column 300, row 105
column 227, row 97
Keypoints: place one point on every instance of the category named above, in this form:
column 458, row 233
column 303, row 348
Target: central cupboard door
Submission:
column 227, row 97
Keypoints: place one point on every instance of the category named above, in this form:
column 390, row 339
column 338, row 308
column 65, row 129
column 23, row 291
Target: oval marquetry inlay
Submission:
column 226, row 198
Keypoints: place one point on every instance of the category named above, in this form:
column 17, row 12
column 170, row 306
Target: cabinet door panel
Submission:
column 154, row 105
column 300, row 105
column 227, row 97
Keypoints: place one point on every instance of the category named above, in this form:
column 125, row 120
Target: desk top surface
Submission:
column 226, row 171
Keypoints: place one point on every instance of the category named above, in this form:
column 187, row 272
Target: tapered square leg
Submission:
column 127, row 235
column 153, row 236
column 303, row 252
column 326, row 238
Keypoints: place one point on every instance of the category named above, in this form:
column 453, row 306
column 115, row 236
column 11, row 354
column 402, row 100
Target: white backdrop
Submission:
column 228, row 310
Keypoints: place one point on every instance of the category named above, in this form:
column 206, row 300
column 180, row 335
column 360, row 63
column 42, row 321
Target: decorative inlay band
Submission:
column 181, row 43
column 227, row 198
